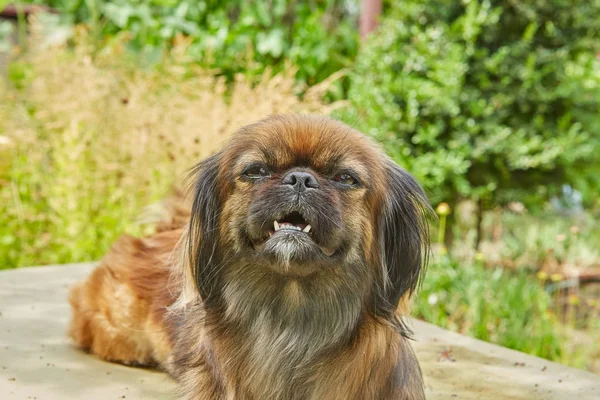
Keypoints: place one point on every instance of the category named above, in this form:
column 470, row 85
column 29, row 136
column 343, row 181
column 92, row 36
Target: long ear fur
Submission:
column 203, row 234
column 403, row 239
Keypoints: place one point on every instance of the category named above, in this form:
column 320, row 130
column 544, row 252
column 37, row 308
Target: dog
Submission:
column 285, row 275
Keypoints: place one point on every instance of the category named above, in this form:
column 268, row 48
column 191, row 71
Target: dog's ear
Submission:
column 203, row 234
column 403, row 238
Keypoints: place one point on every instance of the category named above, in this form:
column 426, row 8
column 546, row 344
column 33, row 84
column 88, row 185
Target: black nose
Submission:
column 301, row 180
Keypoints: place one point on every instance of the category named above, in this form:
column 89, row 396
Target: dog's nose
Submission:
column 301, row 180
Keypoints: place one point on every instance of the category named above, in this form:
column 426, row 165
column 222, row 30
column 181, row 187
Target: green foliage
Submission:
column 492, row 305
column 487, row 100
column 319, row 37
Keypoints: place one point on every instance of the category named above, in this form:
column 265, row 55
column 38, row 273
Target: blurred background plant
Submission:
column 490, row 101
column 318, row 37
column 492, row 104
column 97, row 139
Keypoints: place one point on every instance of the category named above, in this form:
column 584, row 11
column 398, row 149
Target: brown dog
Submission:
column 286, row 278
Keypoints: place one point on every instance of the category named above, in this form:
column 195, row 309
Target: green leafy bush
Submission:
column 487, row 100
column 319, row 37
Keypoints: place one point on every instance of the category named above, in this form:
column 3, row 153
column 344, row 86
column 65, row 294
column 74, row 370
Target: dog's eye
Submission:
column 346, row 178
column 256, row 172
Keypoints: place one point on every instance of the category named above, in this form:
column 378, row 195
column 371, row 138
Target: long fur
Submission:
column 234, row 313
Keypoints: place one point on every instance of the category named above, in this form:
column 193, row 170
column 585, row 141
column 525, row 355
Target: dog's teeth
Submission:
column 307, row 229
column 276, row 225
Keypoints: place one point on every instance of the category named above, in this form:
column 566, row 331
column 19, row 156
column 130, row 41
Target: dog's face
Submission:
column 310, row 203
column 301, row 202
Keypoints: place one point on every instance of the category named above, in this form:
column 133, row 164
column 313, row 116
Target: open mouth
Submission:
column 293, row 221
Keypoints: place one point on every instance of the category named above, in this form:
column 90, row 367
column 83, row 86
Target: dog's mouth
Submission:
column 294, row 221
column 294, row 225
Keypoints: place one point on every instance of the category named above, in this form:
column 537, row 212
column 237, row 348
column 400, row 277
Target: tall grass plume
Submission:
column 94, row 139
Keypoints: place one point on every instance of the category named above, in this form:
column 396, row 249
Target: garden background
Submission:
column 493, row 105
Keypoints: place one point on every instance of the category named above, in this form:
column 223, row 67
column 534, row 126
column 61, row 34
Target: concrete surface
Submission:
column 38, row 362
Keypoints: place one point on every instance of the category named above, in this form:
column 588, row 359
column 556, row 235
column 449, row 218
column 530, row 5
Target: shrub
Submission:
column 320, row 37
column 92, row 140
column 486, row 100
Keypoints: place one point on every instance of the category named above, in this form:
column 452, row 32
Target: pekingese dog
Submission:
column 285, row 277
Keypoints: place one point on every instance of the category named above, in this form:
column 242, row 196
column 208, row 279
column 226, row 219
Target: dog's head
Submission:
column 299, row 209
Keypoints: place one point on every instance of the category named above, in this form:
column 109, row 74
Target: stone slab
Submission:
column 37, row 360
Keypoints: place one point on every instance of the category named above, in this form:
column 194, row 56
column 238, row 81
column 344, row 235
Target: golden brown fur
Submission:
column 118, row 312
column 235, row 309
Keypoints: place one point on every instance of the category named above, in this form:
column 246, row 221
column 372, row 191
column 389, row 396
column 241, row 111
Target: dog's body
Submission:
column 303, row 246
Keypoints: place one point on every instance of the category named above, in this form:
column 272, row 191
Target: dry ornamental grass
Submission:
column 94, row 139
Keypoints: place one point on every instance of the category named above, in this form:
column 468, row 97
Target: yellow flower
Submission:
column 542, row 276
column 479, row 256
column 443, row 209
column 556, row 277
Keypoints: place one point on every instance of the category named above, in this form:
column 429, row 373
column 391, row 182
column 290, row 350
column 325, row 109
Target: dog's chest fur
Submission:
column 276, row 359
